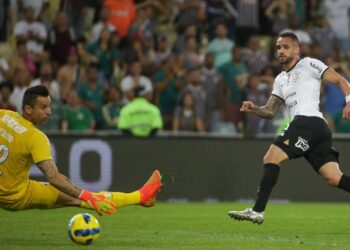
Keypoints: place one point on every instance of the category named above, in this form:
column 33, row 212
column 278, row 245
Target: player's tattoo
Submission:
column 270, row 108
column 58, row 180
column 49, row 168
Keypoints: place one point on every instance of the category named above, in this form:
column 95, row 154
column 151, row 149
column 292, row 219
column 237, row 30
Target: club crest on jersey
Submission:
column 4, row 152
column 302, row 144
column 296, row 77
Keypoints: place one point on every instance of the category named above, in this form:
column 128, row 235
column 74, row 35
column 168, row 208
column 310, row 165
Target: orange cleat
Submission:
column 150, row 190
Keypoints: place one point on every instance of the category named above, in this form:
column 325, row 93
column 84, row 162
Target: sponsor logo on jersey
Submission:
column 12, row 123
column 290, row 95
column 302, row 144
column 5, row 135
column 292, row 104
column 318, row 68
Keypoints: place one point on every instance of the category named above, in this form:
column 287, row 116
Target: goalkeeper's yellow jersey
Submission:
column 21, row 145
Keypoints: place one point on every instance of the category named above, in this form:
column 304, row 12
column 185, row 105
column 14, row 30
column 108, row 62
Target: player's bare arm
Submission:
column 267, row 111
column 57, row 179
column 332, row 76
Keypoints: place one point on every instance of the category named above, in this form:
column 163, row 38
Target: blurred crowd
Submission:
column 196, row 60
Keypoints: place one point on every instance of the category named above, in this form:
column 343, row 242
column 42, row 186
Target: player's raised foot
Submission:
column 247, row 214
column 150, row 190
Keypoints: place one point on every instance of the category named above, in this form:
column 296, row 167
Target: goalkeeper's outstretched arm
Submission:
column 58, row 180
column 100, row 203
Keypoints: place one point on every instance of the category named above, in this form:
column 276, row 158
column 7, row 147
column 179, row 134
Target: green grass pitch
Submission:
column 186, row 226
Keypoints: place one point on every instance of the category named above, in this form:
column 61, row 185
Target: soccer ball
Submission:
column 83, row 229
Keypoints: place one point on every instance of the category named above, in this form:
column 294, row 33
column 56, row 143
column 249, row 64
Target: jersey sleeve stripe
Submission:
column 278, row 97
column 324, row 72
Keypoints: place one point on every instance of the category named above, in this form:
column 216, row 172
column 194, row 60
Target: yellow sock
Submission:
column 125, row 199
column 120, row 199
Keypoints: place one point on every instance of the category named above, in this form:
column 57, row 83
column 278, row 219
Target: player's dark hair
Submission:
column 32, row 93
column 290, row 35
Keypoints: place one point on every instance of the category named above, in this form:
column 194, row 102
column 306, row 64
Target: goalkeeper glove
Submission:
column 98, row 202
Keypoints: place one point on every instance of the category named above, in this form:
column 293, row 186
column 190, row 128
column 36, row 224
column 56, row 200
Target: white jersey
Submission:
column 300, row 87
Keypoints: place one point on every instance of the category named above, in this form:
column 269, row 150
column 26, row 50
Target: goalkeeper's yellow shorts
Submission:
column 38, row 195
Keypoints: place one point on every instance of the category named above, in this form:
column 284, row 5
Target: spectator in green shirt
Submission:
column 111, row 109
column 92, row 95
column 168, row 86
column 140, row 118
column 235, row 74
column 77, row 116
column 103, row 54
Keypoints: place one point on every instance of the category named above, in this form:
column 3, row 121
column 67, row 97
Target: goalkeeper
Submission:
column 22, row 144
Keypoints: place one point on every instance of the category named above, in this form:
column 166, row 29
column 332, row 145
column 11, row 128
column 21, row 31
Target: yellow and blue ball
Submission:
column 84, row 229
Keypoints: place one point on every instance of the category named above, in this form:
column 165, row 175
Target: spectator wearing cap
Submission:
column 6, row 88
column 135, row 79
column 140, row 118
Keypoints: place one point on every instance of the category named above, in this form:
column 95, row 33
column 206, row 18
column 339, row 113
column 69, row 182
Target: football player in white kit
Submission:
column 308, row 135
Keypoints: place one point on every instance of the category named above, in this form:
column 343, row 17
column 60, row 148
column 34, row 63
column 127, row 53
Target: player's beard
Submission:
column 285, row 60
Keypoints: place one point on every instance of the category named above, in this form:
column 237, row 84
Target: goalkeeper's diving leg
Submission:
column 145, row 196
